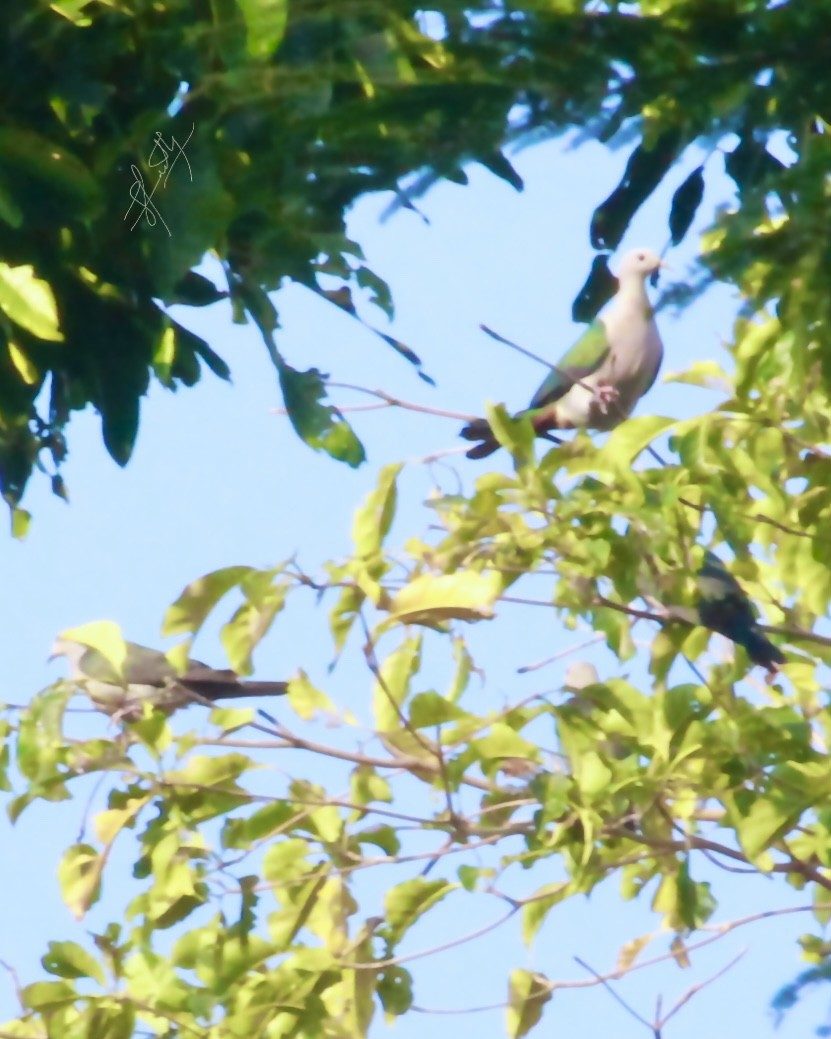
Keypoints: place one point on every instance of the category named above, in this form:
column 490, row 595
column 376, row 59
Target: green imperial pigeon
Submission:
column 149, row 676
column 603, row 376
column 723, row 607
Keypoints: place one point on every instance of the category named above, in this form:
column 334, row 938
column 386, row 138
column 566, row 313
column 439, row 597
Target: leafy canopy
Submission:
column 290, row 110
column 643, row 785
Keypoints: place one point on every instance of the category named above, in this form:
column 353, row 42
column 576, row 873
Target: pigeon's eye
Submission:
column 641, row 256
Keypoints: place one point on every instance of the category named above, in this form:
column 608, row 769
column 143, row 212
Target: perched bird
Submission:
column 579, row 675
column 603, row 376
column 148, row 676
column 723, row 607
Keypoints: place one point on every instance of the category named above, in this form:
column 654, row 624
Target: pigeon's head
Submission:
column 579, row 675
column 640, row 263
column 73, row 651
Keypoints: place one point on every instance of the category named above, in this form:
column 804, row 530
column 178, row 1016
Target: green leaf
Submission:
column 70, row 960
column 630, row 951
column 203, row 771
column 469, row 876
column 367, row 786
column 270, row 819
column 307, row 700
column 383, row 837
column 344, row 614
column 38, row 161
column 10, row 212
column 251, row 622
column 229, row 719
column 321, row 427
column 20, row 522
column 709, row 374
column 287, row 860
column 390, row 692
column 407, row 902
column 79, row 875
column 30, row 302
column 767, row 818
column 23, row 364
column 106, row 638
column 46, row 995
column 503, row 742
column 592, row 774
column 432, row 599
column 379, row 289
column 374, row 518
column 265, row 23
column 198, row 599
column 515, row 434
column 528, row 992
column 428, row 709
column 395, row 990
column 537, row 909
column 627, row 441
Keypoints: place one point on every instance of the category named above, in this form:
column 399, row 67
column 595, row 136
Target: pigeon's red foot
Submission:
column 605, row 395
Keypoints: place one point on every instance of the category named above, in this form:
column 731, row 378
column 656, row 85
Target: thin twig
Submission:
column 528, row 668
column 613, row 994
column 394, row 961
column 695, row 989
column 548, row 364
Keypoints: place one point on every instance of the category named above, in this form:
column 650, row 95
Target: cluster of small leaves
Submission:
column 292, row 109
column 275, row 931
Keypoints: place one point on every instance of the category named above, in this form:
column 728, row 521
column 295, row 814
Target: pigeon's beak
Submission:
column 662, row 266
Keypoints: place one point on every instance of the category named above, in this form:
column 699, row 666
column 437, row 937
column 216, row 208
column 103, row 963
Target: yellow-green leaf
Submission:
column 391, row 691
column 407, row 902
column 709, row 374
column 70, row 960
column 306, row 699
column 191, row 609
column 29, row 301
column 432, row 599
column 25, row 367
column 373, row 519
column 528, row 992
column 103, row 636
column 79, row 875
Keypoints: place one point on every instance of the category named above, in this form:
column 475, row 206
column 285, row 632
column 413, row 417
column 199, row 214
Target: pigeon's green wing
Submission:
column 582, row 360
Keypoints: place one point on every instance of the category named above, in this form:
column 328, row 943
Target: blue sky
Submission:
column 217, row 479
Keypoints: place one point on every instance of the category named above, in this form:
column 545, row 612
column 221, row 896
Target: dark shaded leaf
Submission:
column 644, row 171
column 685, row 203
column 195, row 290
column 750, row 162
column 498, row 164
column 409, row 354
column 597, row 290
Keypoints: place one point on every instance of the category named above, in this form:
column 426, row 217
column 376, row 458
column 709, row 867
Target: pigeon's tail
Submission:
column 480, row 430
column 265, row 688
column 237, row 690
column 762, row 651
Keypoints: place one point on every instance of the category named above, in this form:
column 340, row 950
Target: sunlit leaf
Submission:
column 29, row 301
column 528, row 992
